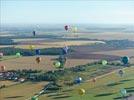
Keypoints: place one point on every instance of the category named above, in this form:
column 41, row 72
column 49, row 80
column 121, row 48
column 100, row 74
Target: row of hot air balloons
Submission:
column 73, row 29
column 124, row 60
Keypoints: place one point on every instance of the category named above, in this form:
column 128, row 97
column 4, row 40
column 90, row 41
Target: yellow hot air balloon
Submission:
column 81, row 91
column 74, row 29
column 31, row 47
column 38, row 60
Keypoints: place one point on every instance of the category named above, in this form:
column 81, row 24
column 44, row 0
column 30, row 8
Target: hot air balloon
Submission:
column 31, row 47
column 94, row 80
column 78, row 80
column 57, row 64
column 65, row 50
column 121, row 72
column 123, row 92
column 74, row 29
column 34, row 33
column 125, row 60
column 104, row 62
column 81, row 91
column 37, row 51
column 2, row 68
column 34, row 98
column 38, row 60
column 18, row 54
column 1, row 54
column 66, row 27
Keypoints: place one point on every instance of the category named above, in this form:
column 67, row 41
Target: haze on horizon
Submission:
column 68, row 11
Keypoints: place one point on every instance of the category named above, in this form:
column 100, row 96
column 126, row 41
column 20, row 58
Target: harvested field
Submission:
column 46, row 63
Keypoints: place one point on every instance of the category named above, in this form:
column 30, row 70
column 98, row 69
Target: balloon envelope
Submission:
column 38, row 60
column 104, row 62
column 31, row 47
column 34, row 98
column 78, row 80
column 18, row 54
column 94, row 80
column 123, row 92
column 81, row 91
column 66, row 27
column 57, row 64
column 37, row 51
column 121, row 72
column 125, row 60
column 65, row 50
column 74, row 29
column 34, row 33
column 2, row 68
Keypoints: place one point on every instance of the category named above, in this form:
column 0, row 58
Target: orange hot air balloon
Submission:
column 38, row 60
column 2, row 68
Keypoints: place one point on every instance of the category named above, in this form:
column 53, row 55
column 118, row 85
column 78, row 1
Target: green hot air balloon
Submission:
column 18, row 54
column 104, row 62
column 125, row 60
column 57, row 64
column 34, row 98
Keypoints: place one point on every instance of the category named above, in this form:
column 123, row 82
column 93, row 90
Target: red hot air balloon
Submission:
column 66, row 27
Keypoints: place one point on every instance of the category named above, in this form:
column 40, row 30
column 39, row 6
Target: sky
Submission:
column 67, row 11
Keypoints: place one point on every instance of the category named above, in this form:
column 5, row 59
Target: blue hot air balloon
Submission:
column 65, row 50
column 37, row 51
column 78, row 80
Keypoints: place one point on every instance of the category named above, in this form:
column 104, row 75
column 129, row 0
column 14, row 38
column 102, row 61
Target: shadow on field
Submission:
column 103, row 94
column 67, row 90
column 61, row 97
column 121, row 98
column 126, row 80
column 113, row 84
column 13, row 97
column 51, row 95
column 130, row 88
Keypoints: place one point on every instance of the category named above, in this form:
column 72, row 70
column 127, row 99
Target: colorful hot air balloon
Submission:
column 18, row 54
column 1, row 54
column 57, row 64
column 125, row 60
column 38, row 60
column 66, row 27
column 81, row 91
column 78, row 80
column 37, row 51
column 123, row 92
column 104, row 62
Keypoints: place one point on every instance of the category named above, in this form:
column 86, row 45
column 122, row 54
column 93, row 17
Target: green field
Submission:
column 106, row 87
